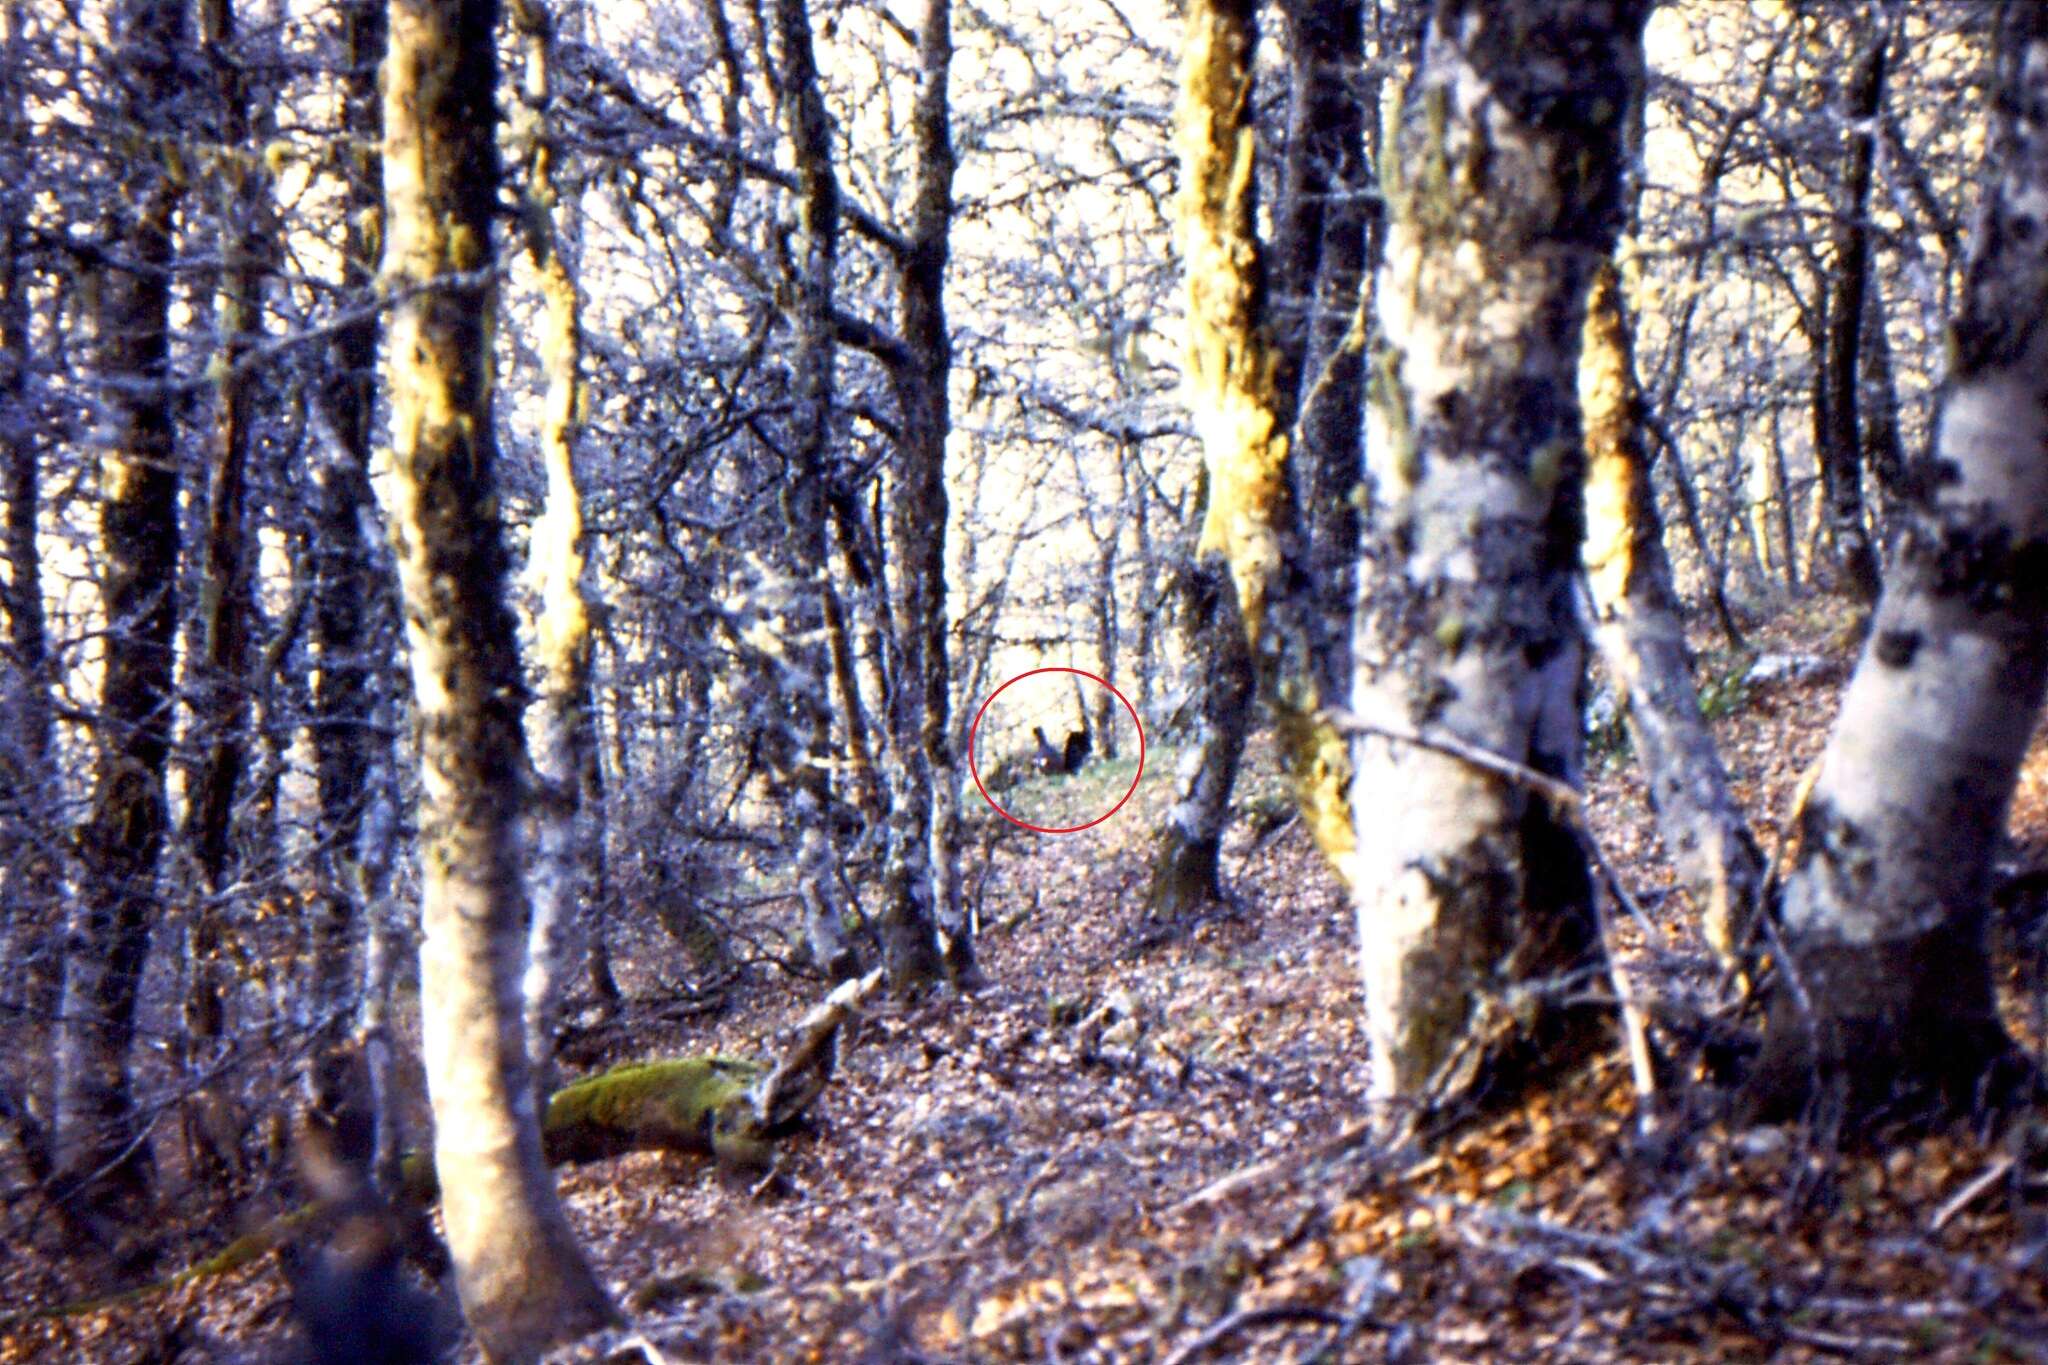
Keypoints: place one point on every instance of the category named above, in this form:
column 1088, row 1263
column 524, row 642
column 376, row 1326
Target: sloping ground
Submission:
column 1155, row 1157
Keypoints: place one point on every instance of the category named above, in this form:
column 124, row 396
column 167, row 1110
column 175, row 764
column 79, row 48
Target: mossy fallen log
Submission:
column 728, row 1108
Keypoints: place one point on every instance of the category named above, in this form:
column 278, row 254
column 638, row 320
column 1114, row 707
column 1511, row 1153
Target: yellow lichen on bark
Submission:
column 1608, row 402
column 1229, row 361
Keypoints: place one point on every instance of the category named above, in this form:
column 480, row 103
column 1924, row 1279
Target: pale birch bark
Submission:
column 561, row 874
column 524, row 1284
column 1640, row 629
column 1887, row 990
column 1482, row 962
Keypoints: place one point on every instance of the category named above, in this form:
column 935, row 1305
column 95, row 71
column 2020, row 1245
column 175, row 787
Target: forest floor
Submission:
column 1151, row 1152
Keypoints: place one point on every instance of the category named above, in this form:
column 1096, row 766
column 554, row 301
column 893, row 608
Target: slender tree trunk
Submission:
column 1886, row 990
column 1641, row 632
column 1475, row 913
column 814, row 805
column 921, row 878
column 1232, row 374
column 107, row 939
column 1185, row 869
column 354, row 625
column 563, row 874
column 524, row 1284
column 1330, row 108
column 226, row 594
column 1841, row 452
column 29, row 904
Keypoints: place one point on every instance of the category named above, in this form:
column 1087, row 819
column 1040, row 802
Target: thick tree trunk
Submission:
column 921, row 878
column 1886, row 989
column 1841, row 452
column 108, row 935
column 1232, row 374
column 1475, row 917
column 563, row 871
column 524, row 1284
column 1641, row 632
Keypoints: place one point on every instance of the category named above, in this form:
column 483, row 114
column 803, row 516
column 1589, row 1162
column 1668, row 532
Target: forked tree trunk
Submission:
column 1887, row 988
column 1233, row 381
column 1481, row 958
column 524, row 1284
column 1641, row 633
column 108, row 936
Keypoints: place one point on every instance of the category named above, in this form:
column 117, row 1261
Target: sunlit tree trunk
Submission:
column 1231, row 377
column 107, row 938
column 1887, row 989
column 564, row 876
column 1641, row 632
column 524, row 1284
column 1481, row 958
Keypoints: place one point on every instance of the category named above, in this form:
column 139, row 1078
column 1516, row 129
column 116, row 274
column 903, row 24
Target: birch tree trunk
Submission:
column 1482, row 961
column 524, row 1284
column 563, row 872
column 107, row 938
column 1641, row 632
column 1886, row 993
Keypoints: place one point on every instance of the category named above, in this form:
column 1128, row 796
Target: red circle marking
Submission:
column 974, row 766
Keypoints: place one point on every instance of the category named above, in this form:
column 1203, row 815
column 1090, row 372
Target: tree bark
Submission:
column 805, row 774
column 227, row 602
column 1640, row 627
column 921, row 882
column 1475, row 916
column 1886, row 993
column 524, row 1284
column 107, row 939
column 354, row 625
column 1185, row 869
column 1330, row 108
column 1232, row 379
column 1841, row 452
column 564, row 875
